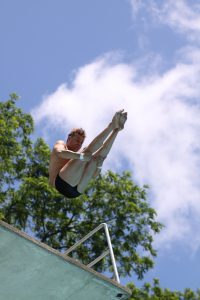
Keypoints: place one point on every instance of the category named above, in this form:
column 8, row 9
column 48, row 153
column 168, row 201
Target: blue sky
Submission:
column 75, row 62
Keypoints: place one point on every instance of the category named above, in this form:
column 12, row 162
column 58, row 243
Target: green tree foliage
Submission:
column 15, row 146
column 28, row 202
column 155, row 292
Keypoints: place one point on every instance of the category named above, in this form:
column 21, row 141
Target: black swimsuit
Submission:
column 66, row 189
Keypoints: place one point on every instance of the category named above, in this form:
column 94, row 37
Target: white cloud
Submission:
column 181, row 15
column 161, row 138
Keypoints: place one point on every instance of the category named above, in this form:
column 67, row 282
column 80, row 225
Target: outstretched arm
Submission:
column 62, row 152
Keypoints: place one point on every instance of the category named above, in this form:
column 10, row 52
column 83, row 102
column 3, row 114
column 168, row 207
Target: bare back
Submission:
column 56, row 163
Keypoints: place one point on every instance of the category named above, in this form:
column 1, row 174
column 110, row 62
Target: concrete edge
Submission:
column 66, row 258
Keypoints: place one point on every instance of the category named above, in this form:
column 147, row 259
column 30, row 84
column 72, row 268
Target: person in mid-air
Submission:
column 70, row 169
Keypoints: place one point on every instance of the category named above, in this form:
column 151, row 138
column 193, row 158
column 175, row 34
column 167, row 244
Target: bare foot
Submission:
column 116, row 119
column 122, row 120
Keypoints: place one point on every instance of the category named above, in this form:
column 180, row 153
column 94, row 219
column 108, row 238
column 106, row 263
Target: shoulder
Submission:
column 59, row 142
column 59, row 145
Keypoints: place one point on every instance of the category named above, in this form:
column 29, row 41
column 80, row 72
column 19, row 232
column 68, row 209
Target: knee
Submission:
column 99, row 159
column 86, row 151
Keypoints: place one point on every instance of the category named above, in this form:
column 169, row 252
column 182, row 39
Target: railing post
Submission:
column 111, row 252
column 104, row 254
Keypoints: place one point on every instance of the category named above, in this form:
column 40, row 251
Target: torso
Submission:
column 56, row 164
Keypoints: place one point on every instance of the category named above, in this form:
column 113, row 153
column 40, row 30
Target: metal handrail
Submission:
column 110, row 249
column 98, row 258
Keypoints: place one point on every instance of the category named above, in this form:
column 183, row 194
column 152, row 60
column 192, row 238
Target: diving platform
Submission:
column 31, row 270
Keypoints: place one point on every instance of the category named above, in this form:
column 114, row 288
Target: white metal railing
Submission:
column 109, row 250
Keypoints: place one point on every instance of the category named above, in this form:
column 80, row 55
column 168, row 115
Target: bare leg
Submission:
column 93, row 168
column 73, row 171
column 96, row 161
column 98, row 141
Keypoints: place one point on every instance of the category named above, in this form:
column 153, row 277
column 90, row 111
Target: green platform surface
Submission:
column 31, row 270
